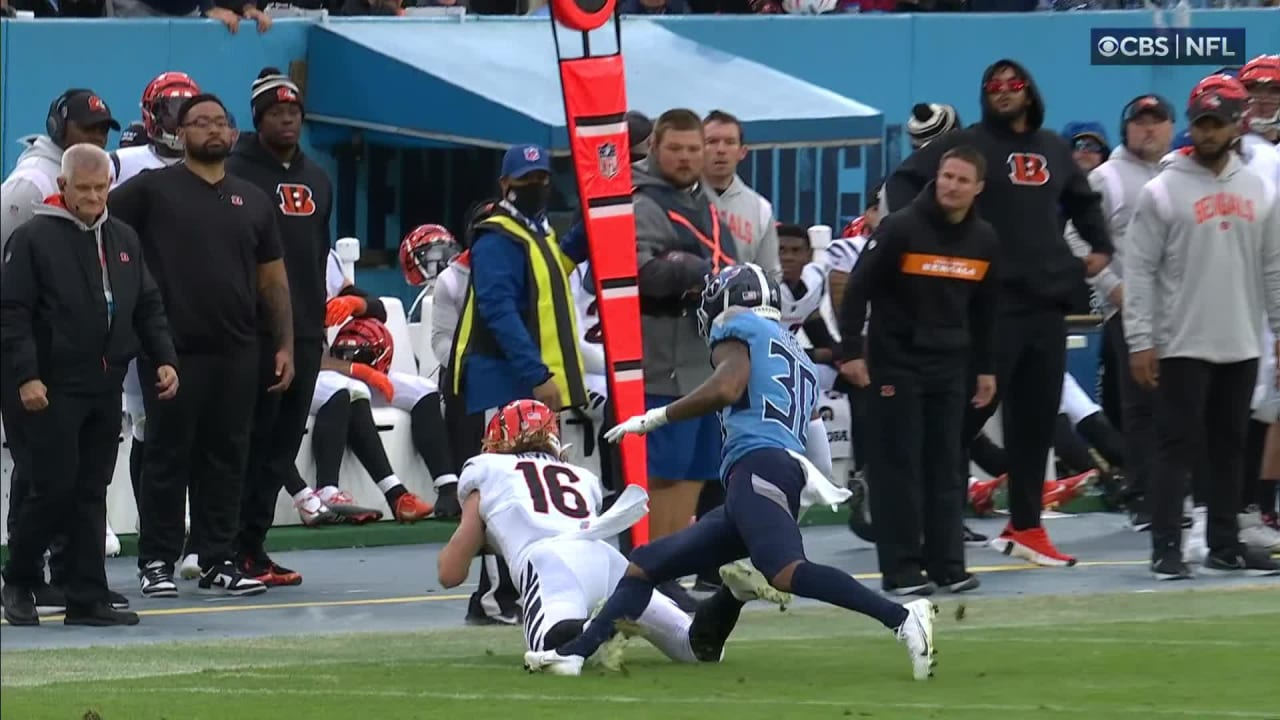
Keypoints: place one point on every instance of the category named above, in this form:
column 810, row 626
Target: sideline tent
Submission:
column 494, row 83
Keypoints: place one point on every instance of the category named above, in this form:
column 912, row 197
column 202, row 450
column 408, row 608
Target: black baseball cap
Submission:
column 1227, row 110
column 1153, row 105
column 86, row 109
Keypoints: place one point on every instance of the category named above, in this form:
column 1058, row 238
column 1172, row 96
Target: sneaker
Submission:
column 410, row 508
column 1167, row 564
column 747, row 584
column 225, row 579
column 99, row 616
column 1256, row 534
column 1242, row 560
column 908, row 584
column 553, row 662
column 19, row 605
column 959, row 584
column 916, row 632
column 313, row 512
column 1062, row 491
column 190, row 567
column 1139, row 520
column 860, row 523
column 1032, row 545
column 1194, row 547
column 344, row 506
column 262, row 568
column 974, row 538
column 117, row 601
column 112, row 542
column 481, row 620
column 50, row 600
column 982, row 493
column 157, row 580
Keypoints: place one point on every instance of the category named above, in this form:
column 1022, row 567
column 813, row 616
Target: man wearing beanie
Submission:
column 639, row 128
column 928, row 121
column 303, row 195
column 1031, row 183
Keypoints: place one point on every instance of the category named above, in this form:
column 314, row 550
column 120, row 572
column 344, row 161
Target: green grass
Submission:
column 1197, row 654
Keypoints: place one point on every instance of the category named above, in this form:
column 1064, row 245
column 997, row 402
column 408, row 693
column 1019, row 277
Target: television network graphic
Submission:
column 595, row 106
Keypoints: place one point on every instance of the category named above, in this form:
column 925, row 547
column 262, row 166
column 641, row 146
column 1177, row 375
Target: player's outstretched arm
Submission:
column 454, row 563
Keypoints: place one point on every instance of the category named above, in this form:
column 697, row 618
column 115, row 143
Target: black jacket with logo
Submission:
column 303, row 195
column 54, row 322
column 1031, row 182
column 931, row 286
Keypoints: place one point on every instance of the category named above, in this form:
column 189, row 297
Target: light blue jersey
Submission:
column 781, row 394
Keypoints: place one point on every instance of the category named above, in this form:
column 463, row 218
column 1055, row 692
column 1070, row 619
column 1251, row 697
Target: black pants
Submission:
column 1200, row 401
column 1137, row 406
column 197, row 443
column 19, row 479
column 1031, row 356
column 279, row 422
column 915, row 422
column 70, row 453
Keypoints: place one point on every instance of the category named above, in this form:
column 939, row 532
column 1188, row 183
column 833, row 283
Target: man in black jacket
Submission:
column 75, row 299
column 1031, row 181
column 271, row 159
column 928, row 275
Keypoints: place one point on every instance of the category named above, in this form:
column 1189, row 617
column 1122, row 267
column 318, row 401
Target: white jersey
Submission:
column 334, row 279
column 131, row 161
column 796, row 310
column 528, row 498
column 591, row 342
column 843, row 253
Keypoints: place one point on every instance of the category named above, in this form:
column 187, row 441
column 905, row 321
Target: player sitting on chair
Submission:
column 542, row 513
column 356, row 374
column 766, row 391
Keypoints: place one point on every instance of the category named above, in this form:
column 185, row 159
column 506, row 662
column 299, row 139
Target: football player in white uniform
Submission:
column 543, row 513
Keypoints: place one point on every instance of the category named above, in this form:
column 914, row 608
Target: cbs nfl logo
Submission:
column 1163, row 46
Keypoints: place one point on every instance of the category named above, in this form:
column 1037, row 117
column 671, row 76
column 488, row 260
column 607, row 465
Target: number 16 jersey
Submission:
column 529, row 497
column 782, row 392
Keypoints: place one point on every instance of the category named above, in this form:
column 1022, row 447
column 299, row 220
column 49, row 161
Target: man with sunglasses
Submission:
column 1031, row 182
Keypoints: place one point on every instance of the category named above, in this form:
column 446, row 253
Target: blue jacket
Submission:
column 499, row 274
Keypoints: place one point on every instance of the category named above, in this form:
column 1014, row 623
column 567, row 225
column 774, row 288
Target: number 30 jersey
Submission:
column 529, row 497
column 781, row 394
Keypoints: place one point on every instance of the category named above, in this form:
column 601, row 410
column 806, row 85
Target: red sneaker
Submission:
column 411, row 508
column 982, row 494
column 1032, row 545
column 1059, row 492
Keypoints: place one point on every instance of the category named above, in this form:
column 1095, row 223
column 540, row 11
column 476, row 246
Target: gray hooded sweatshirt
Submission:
column 33, row 179
column 750, row 218
column 1202, row 263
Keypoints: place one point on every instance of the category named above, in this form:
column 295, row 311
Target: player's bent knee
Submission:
column 634, row 570
column 781, row 580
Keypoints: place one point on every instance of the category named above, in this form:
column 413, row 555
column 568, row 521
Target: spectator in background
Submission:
column 1261, row 77
column 1204, row 265
column 639, row 130
column 679, row 239
column 653, row 7
column 76, row 116
column 271, row 159
column 844, row 251
column 747, row 213
column 929, row 121
column 1145, row 133
column 227, row 12
column 214, row 246
column 69, row 392
column 1089, row 145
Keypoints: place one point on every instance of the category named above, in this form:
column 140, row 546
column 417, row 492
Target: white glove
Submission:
column 638, row 424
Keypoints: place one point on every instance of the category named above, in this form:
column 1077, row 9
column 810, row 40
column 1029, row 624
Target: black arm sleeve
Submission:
column 373, row 306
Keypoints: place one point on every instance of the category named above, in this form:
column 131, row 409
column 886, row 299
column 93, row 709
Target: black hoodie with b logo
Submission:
column 1031, row 182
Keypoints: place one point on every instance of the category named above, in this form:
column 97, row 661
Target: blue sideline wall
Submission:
column 888, row 62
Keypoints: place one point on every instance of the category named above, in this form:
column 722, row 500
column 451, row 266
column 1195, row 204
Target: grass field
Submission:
column 1196, row 654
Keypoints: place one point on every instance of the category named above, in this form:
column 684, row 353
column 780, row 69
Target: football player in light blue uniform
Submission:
column 766, row 390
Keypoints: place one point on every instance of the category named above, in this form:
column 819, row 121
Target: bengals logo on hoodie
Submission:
column 1028, row 169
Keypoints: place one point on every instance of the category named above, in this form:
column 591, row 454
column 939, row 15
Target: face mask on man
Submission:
column 530, row 200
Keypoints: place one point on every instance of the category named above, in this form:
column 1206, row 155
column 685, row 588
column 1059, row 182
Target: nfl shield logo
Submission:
column 531, row 154
column 608, row 156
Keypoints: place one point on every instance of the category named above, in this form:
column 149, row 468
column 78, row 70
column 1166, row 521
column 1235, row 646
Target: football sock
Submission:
column 830, row 585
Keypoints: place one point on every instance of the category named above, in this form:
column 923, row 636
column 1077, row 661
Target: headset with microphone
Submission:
column 56, row 124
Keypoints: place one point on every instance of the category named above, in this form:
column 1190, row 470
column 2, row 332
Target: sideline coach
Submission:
column 75, row 299
column 211, row 240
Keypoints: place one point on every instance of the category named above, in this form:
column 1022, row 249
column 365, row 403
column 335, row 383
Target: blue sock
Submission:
column 825, row 583
column 628, row 601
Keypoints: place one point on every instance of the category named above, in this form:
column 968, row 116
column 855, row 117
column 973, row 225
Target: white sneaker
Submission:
column 190, row 568
column 553, row 662
column 1255, row 534
column 747, row 584
column 916, row 632
column 113, row 542
column 1195, row 547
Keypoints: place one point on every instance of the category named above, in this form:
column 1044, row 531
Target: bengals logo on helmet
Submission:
column 295, row 199
column 1028, row 169
column 96, row 104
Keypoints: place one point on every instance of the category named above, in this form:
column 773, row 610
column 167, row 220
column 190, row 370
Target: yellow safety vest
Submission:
column 550, row 315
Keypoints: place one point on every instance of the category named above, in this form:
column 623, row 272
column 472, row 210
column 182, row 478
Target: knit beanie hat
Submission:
column 639, row 127
column 271, row 88
column 929, row 120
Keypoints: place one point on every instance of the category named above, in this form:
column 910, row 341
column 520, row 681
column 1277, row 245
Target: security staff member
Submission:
column 75, row 300
column 517, row 336
column 303, row 196
column 213, row 244
column 927, row 273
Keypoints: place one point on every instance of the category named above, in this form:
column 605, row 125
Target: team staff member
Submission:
column 928, row 275
column 303, row 196
column 747, row 213
column 1203, row 257
column 1031, row 182
column 212, row 242
column 75, row 301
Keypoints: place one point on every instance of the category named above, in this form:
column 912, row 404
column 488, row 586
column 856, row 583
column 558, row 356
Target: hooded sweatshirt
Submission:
column 33, row 179
column 750, row 218
column 1202, row 263
column 1118, row 181
column 1031, row 182
column 304, row 200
